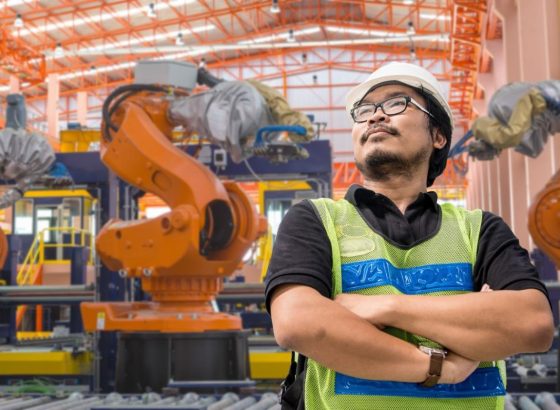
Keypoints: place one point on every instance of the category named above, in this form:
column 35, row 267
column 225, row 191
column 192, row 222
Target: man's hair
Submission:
column 442, row 123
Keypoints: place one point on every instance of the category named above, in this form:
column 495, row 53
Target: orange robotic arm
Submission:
column 182, row 255
column 544, row 219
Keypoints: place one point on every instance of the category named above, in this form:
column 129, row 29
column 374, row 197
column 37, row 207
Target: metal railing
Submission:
column 35, row 258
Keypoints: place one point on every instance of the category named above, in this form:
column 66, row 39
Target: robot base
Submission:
column 151, row 361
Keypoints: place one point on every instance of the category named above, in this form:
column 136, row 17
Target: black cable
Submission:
column 128, row 90
column 204, row 77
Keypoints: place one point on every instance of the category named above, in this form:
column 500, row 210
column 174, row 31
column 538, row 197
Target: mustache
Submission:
column 377, row 128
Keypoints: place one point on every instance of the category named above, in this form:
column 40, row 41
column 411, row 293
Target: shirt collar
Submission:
column 357, row 195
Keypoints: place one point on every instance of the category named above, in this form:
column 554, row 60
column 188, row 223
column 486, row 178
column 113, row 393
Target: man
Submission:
column 387, row 292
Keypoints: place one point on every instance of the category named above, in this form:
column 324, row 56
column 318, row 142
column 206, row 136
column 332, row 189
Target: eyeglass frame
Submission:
column 407, row 99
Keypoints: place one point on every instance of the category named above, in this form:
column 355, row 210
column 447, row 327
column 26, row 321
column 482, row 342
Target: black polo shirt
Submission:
column 302, row 252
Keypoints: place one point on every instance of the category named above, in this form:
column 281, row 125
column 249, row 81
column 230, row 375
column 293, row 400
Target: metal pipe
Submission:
column 205, row 401
column 25, row 403
column 243, row 404
column 73, row 400
column 57, row 404
column 10, row 402
column 267, row 400
column 546, row 401
column 168, row 400
column 45, row 289
column 247, row 298
column 44, row 300
column 227, row 400
column 189, row 398
column 525, row 403
column 85, row 404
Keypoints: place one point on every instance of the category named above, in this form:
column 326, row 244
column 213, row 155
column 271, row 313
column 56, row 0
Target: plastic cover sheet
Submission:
column 24, row 157
column 228, row 114
column 283, row 114
column 521, row 115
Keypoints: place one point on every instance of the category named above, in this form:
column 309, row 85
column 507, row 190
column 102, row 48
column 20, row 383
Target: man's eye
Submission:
column 395, row 103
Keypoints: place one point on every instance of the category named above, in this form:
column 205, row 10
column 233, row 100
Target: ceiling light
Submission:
column 179, row 39
column 291, row 36
column 151, row 13
column 361, row 32
column 410, row 31
column 431, row 16
column 128, row 13
column 134, row 41
column 276, row 37
column 13, row 3
column 408, row 2
column 58, row 51
column 275, row 8
column 18, row 23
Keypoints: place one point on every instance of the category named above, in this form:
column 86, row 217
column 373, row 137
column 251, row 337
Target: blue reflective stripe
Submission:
column 484, row 382
column 410, row 281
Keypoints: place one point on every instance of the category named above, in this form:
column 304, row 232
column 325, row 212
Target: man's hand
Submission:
column 456, row 369
column 370, row 308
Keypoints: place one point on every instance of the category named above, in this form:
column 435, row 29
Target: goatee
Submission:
column 383, row 165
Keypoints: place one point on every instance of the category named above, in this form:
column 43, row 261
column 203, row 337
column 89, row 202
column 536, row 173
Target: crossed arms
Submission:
column 345, row 334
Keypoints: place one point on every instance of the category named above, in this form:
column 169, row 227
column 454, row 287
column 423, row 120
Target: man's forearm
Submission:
column 480, row 326
column 313, row 325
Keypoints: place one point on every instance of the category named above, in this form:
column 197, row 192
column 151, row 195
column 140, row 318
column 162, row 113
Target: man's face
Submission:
column 398, row 145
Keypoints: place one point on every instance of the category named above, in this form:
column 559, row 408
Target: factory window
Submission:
column 23, row 220
column 71, row 213
column 46, row 219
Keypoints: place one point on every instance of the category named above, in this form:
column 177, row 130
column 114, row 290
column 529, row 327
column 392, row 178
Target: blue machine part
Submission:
column 58, row 176
column 264, row 132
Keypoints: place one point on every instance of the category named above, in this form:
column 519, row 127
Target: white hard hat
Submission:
column 409, row 74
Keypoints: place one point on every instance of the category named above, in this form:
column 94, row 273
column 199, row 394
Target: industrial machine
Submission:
column 181, row 256
column 523, row 116
column 544, row 219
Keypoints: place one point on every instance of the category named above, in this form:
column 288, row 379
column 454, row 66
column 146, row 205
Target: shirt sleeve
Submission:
column 501, row 261
column 301, row 254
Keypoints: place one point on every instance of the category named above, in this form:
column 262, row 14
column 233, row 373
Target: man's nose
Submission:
column 378, row 116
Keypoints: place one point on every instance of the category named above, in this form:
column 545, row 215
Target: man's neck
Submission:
column 401, row 191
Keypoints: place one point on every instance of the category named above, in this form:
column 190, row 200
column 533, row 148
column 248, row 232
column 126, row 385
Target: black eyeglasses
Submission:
column 391, row 106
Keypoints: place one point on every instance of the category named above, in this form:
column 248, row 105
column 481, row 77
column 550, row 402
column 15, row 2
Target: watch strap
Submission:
column 434, row 372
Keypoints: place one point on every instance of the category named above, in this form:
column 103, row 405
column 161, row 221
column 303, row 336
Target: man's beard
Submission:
column 383, row 165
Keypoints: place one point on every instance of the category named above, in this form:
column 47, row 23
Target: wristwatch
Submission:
column 436, row 363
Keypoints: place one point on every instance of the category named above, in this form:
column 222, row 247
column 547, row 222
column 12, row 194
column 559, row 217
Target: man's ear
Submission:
column 438, row 140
